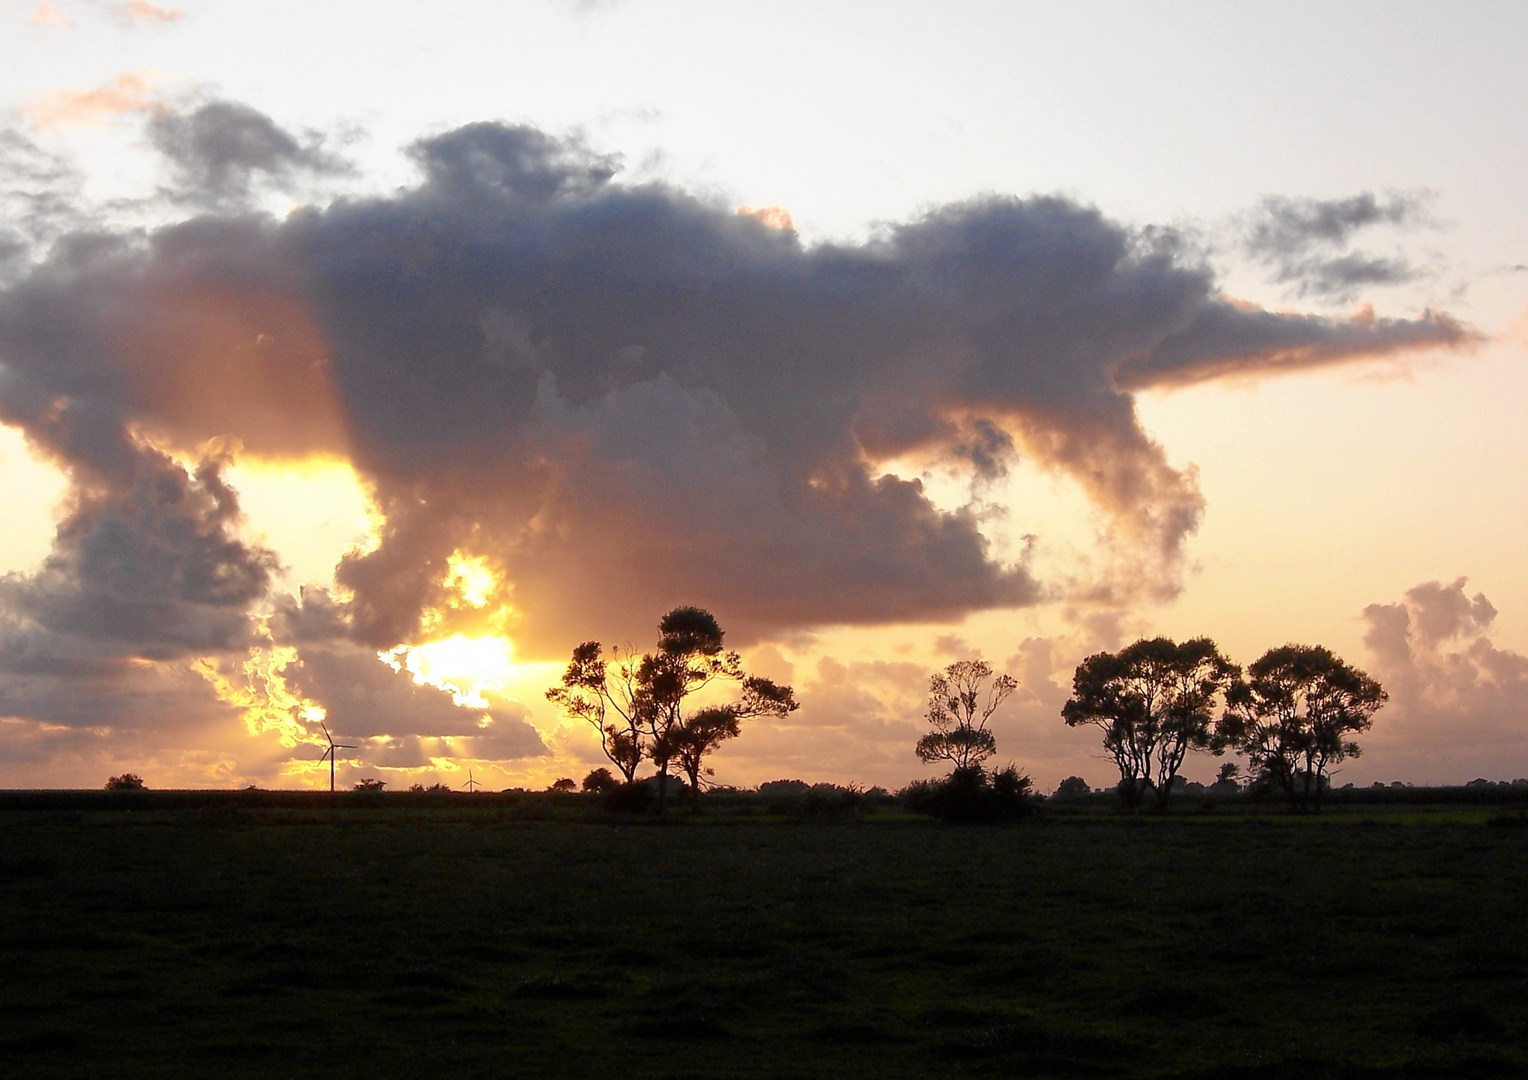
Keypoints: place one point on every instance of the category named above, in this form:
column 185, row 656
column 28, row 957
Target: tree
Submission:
column 639, row 704
column 1073, row 787
column 693, row 737
column 1153, row 701
column 958, row 711
column 565, row 785
column 1294, row 715
column 126, row 782
column 599, row 781
column 370, row 783
column 605, row 694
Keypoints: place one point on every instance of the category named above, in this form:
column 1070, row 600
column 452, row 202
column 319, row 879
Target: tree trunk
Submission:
column 1164, row 792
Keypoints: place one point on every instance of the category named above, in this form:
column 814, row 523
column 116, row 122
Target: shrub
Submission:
column 126, row 782
column 972, row 795
column 1073, row 787
column 370, row 783
column 600, row 781
column 628, row 798
column 799, row 799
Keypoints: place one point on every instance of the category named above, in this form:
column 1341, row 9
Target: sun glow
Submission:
column 464, row 667
column 469, row 577
column 259, row 690
column 312, row 512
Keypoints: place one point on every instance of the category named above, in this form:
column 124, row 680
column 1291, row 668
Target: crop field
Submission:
column 412, row 942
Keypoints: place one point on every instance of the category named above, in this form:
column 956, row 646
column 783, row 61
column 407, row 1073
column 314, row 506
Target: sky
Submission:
column 356, row 366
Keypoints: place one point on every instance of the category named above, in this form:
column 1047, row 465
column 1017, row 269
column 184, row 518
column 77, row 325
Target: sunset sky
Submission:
column 358, row 363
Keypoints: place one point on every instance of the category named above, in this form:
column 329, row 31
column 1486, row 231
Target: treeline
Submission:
column 781, row 798
column 1292, row 715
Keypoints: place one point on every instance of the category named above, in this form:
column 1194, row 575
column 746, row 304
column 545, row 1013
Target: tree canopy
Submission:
column 959, row 706
column 1294, row 716
column 1154, row 702
column 639, row 703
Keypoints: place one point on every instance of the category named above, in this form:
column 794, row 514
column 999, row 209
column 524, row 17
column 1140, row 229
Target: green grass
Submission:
column 410, row 942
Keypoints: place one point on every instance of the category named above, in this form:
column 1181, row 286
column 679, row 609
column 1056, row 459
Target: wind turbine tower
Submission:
column 329, row 753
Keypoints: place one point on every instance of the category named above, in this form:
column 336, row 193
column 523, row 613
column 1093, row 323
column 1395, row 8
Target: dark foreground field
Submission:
column 384, row 942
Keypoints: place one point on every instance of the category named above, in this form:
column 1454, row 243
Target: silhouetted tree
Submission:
column 648, row 696
column 1229, row 777
column 695, row 736
column 1294, row 715
column 599, row 781
column 370, row 783
column 958, row 711
column 1071, row 788
column 564, row 785
column 1153, row 701
column 126, row 782
column 606, row 695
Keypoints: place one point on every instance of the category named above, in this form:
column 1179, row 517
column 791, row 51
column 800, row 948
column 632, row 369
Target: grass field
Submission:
column 275, row 943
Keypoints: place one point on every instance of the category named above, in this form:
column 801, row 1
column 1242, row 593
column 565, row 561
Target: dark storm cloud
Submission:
column 626, row 397
column 38, row 197
column 1304, row 242
column 222, row 149
column 1229, row 340
column 145, row 562
column 1291, row 227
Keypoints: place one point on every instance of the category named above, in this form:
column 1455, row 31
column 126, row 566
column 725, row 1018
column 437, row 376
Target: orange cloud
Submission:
column 776, row 217
column 48, row 15
column 127, row 92
column 141, row 11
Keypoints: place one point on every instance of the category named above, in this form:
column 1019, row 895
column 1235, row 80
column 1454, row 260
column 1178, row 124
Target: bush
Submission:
column 370, row 783
column 1073, row 787
column 126, row 782
column 564, row 785
column 972, row 796
column 796, row 798
column 628, row 798
column 600, row 781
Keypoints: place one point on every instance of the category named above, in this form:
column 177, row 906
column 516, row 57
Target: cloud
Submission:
column 220, row 149
column 140, row 12
column 625, row 397
column 39, row 198
column 145, row 564
column 126, row 93
column 367, row 701
column 1304, row 242
column 618, row 397
column 1457, row 703
column 776, row 217
column 1231, row 340
column 48, row 15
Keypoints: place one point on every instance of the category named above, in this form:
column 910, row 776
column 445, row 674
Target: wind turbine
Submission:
column 471, row 784
column 329, row 753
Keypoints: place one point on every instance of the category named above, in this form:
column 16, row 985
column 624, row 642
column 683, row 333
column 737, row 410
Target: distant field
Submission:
column 300, row 942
